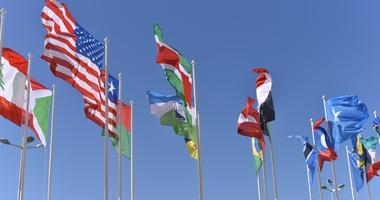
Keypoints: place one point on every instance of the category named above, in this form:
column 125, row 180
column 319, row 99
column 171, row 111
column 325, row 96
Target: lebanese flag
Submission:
column 249, row 122
column 264, row 96
column 13, row 95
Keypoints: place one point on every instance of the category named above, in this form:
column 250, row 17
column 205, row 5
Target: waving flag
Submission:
column 357, row 170
column 12, row 96
column 76, row 57
column 258, row 153
column 310, row 154
column 249, row 122
column 178, row 70
column 123, row 130
column 372, row 170
column 347, row 114
column 171, row 112
column 322, row 142
column 361, row 151
column 264, row 98
column 370, row 144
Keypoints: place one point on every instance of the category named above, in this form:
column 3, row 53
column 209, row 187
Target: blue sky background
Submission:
column 311, row 48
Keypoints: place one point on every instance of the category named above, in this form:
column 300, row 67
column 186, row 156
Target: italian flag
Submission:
column 178, row 70
column 13, row 95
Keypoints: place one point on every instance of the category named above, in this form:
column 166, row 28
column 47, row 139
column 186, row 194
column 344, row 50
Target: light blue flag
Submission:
column 346, row 115
column 357, row 170
column 310, row 154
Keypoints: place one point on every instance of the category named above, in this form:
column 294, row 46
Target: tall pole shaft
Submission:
column 258, row 186
column 350, row 174
column 132, row 157
column 318, row 167
column 330, row 135
column 265, row 178
column 200, row 174
column 367, row 184
column 106, row 158
column 308, row 182
column 51, row 144
column 2, row 24
column 120, row 117
column 274, row 176
column 24, row 139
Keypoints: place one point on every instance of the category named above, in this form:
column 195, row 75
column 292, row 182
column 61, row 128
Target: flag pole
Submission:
column 350, row 173
column 51, row 143
column 106, row 158
column 274, row 176
column 200, row 175
column 367, row 184
column 308, row 182
column 258, row 186
column 330, row 135
column 265, row 178
column 257, row 175
column 24, row 138
column 120, row 139
column 318, row 167
column 2, row 22
column 132, row 157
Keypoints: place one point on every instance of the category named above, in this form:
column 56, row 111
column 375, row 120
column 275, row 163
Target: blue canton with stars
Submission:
column 89, row 47
column 113, row 89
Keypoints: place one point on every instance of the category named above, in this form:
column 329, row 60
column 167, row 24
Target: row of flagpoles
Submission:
column 78, row 58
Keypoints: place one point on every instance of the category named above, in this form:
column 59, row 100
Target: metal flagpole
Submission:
column 265, row 178
column 350, row 173
column 375, row 115
column 257, row 175
column 308, row 182
column 318, row 167
column 120, row 138
column 24, row 139
column 106, row 159
column 258, row 186
column 132, row 156
column 2, row 17
column 330, row 135
column 367, row 184
column 274, row 176
column 200, row 175
column 51, row 143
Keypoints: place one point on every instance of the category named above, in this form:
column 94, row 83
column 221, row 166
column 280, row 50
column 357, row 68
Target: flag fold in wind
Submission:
column 76, row 57
column 13, row 96
column 347, row 115
column 322, row 142
column 264, row 98
column 249, row 122
column 123, row 131
column 309, row 152
column 258, row 153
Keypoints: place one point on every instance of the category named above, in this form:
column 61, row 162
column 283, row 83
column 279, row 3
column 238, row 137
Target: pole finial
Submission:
column 324, row 97
column 53, row 86
column 311, row 120
column 3, row 11
column 375, row 113
column 106, row 40
column 193, row 62
column 29, row 55
column 131, row 102
column 120, row 75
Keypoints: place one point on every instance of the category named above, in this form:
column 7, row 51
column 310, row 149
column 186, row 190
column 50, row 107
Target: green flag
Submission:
column 258, row 153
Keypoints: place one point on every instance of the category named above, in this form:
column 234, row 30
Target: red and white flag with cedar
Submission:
column 249, row 122
column 13, row 96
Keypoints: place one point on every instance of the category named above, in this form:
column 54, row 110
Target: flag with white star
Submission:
column 346, row 116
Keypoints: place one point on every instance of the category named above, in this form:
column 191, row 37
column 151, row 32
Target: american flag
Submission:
column 76, row 57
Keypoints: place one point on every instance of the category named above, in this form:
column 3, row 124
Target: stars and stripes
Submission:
column 76, row 57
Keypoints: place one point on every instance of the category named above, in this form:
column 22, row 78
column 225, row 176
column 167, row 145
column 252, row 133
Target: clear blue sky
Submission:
column 310, row 47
